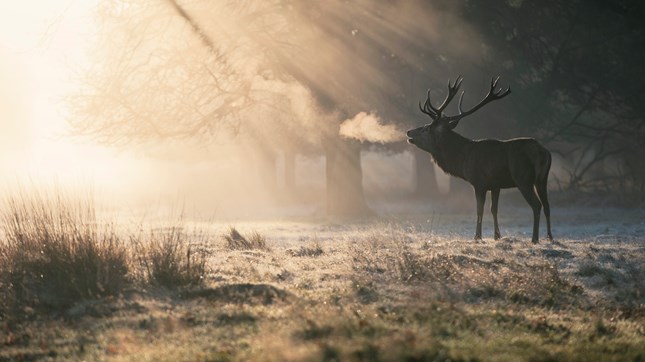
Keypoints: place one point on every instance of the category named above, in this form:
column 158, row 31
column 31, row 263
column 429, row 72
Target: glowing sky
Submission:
column 42, row 45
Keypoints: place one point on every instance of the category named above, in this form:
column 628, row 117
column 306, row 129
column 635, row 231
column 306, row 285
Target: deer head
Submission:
column 427, row 137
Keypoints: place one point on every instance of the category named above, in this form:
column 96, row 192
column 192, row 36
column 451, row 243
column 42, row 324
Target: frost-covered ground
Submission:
column 595, row 247
column 399, row 286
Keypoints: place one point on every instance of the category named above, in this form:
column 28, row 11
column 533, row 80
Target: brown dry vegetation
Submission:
column 370, row 291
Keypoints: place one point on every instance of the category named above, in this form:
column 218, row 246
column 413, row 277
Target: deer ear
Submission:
column 453, row 124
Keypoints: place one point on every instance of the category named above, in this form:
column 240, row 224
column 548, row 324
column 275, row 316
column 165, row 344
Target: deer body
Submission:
column 488, row 165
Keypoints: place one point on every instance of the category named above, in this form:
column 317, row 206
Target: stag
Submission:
column 489, row 164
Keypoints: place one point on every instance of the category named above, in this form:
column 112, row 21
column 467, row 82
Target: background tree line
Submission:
column 281, row 76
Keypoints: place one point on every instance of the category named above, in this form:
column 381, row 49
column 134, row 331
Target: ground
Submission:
column 397, row 287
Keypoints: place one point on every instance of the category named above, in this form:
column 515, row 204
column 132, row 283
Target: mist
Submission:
column 242, row 108
column 299, row 180
column 257, row 107
column 368, row 127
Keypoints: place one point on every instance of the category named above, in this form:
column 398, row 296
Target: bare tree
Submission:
column 488, row 165
column 159, row 77
column 199, row 70
column 343, row 165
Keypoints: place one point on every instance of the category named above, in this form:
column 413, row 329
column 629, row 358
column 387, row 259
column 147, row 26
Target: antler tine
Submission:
column 499, row 93
column 461, row 98
column 458, row 81
column 427, row 107
column 453, row 88
column 422, row 109
column 493, row 83
column 430, row 107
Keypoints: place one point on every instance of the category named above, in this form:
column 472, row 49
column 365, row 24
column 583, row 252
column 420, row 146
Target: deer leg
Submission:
column 529, row 195
column 493, row 209
column 481, row 199
column 541, row 190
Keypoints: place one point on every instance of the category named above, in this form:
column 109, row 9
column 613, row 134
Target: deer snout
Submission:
column 410, row 135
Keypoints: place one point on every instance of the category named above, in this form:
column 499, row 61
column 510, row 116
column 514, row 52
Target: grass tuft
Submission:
column 172, row 258
column 411, row 266
column 236, row 241
column 312, row 251
column 54, row 252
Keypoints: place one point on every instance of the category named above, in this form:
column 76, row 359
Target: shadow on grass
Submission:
column 244, row 293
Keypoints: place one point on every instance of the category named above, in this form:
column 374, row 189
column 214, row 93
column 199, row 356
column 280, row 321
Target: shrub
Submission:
column 55, row 252
column 172, row 258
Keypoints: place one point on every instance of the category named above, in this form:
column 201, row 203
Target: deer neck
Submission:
column 451, row 153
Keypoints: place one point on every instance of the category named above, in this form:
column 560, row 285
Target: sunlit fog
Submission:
column 43, row 46
column 322, row 180
column 286, row 107
column 60, row 57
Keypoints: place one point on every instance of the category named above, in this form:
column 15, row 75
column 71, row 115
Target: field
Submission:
column 403, row 287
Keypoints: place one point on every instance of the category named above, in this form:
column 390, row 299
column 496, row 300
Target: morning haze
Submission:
column 239, row 180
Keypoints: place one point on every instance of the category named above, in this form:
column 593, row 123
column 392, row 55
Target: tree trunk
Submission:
column 425, row 182
column 344, row 177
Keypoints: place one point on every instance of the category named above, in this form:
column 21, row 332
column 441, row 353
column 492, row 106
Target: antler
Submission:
column 491, row 96
column 437, row 113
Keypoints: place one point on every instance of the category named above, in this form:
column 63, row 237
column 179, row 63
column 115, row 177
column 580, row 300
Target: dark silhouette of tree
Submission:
column 577, row 66
column 202, row 70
